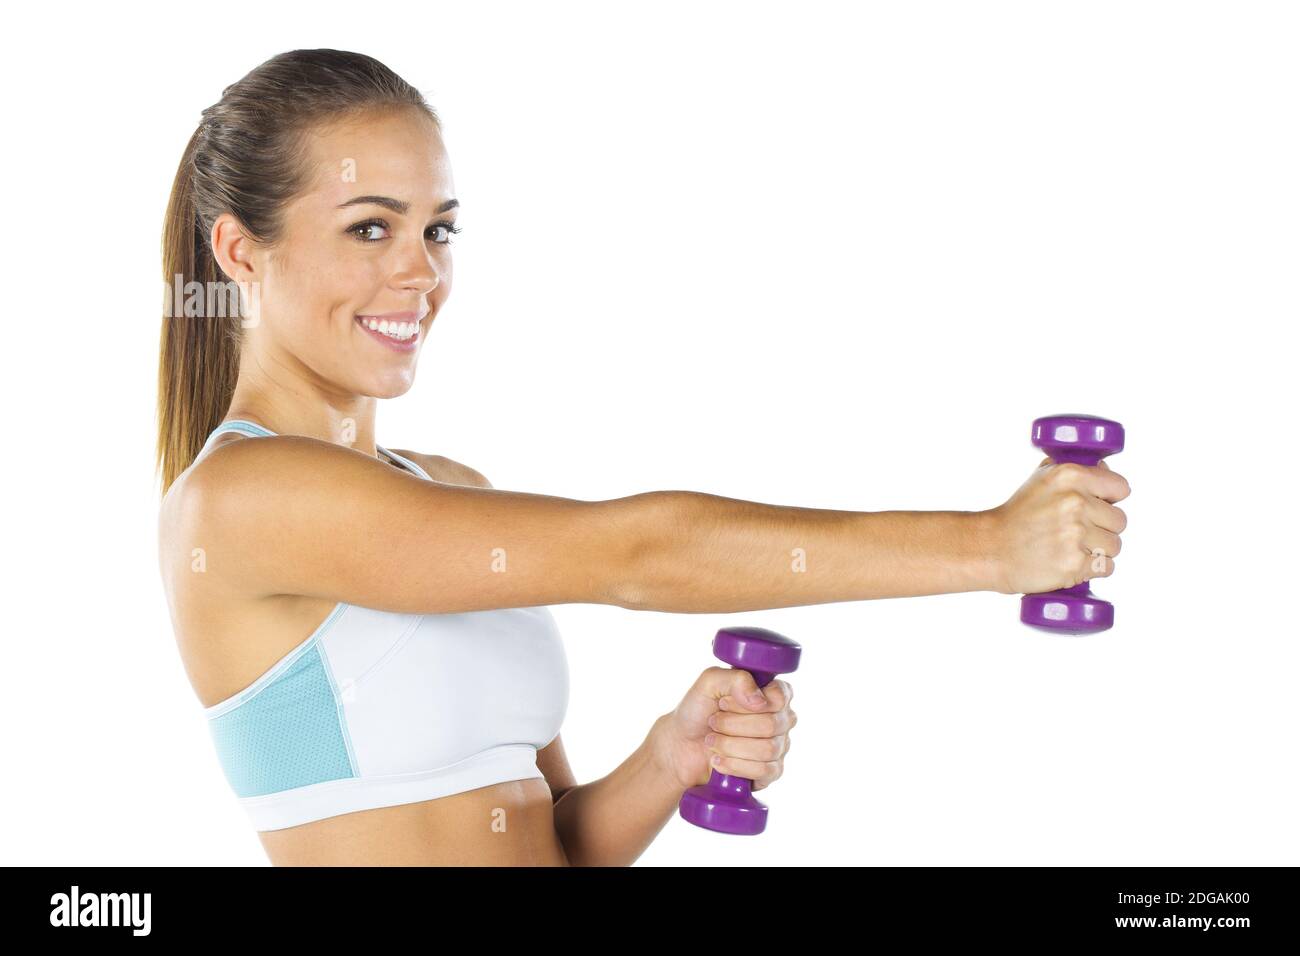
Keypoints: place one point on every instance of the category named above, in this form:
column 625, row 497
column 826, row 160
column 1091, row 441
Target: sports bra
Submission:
column 377, row 708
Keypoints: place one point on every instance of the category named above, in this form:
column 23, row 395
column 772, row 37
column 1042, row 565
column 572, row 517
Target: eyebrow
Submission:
column 396, row 205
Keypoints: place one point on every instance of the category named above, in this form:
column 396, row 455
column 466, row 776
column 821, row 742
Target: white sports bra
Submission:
column 378, row 708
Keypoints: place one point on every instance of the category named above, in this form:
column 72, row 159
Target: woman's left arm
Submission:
column 611, row 821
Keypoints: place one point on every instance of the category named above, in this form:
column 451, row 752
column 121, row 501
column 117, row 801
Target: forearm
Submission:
column 709, row 554
column 611, row 821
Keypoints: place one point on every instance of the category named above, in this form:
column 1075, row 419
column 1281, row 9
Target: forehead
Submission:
column 397, row 154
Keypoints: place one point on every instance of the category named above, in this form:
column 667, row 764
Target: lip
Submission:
column 410, row 345
column 394, row 316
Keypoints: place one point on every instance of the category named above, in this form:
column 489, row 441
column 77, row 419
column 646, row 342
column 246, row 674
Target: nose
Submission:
column 418, row 272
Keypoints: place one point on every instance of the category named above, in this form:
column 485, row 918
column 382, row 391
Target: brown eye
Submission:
column 448, row 228
column 364, row 230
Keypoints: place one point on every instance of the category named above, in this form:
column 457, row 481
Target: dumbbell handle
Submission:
column 1082, row 456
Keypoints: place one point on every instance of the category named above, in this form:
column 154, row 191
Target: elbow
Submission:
column 644, row 532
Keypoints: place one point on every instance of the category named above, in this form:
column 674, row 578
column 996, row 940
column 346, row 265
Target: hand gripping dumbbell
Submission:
column 1086, row 440
column 725, row 803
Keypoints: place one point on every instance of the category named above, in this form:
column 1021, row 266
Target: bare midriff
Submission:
column 506, row 824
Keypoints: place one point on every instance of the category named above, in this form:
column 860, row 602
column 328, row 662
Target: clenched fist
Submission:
column 1060, row 528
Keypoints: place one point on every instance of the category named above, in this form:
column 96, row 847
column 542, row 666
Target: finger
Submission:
column 777, row 693
column 1100, row 540
column 1105, row 484
column 789, row 691
column 761, row 782
column 1098, row 566
column 745, row 696
column 729, row 688
column 764, row 771
column 752, row 725
column 757, row 749
column 1107, row 516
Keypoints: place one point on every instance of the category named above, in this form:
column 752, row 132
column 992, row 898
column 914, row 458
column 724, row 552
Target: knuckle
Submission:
column 1072, row 503
column 1067, row 473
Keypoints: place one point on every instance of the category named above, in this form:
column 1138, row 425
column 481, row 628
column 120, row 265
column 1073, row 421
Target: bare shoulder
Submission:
column 231, row 480
column 446, row 470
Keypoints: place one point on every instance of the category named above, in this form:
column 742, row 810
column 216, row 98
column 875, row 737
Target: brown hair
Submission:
column 245, row 158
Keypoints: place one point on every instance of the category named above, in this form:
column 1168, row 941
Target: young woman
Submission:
column 367, row 629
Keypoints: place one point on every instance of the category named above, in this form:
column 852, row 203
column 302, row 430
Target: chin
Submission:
column 391, row 386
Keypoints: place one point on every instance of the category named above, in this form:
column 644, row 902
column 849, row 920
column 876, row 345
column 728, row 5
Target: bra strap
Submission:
column 406, row 462
column 243, row 426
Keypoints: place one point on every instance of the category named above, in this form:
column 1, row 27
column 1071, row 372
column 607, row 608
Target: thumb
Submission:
column 740, row 692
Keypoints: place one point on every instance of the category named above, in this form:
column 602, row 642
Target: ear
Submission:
column 233, row 249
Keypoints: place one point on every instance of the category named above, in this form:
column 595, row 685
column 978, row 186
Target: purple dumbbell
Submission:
column 725, row 803
column 1084, row 439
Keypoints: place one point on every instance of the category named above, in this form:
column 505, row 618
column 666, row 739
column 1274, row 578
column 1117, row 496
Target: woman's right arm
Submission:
column 295, row 515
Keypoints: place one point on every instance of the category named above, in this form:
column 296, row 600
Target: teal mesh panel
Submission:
column 287, row 735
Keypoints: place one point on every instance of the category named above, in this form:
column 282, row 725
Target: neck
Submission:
column 347, row 420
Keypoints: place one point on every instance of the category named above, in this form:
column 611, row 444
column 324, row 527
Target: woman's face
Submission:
column 364, row 263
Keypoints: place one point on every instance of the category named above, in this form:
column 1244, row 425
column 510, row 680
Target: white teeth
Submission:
column 394, row 330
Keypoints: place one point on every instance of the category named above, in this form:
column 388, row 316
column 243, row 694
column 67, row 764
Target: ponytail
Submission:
column 199, row 355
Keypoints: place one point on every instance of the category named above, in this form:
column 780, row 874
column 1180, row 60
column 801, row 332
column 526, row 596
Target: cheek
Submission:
column 330, row 291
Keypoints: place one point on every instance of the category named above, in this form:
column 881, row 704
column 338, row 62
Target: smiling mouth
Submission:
column 402, row 334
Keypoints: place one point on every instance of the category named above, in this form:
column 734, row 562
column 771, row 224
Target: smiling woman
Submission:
column 349, row 733
column 367, row 629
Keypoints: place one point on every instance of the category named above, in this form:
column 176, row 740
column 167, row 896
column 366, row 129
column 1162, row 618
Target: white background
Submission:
column 827, row 255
